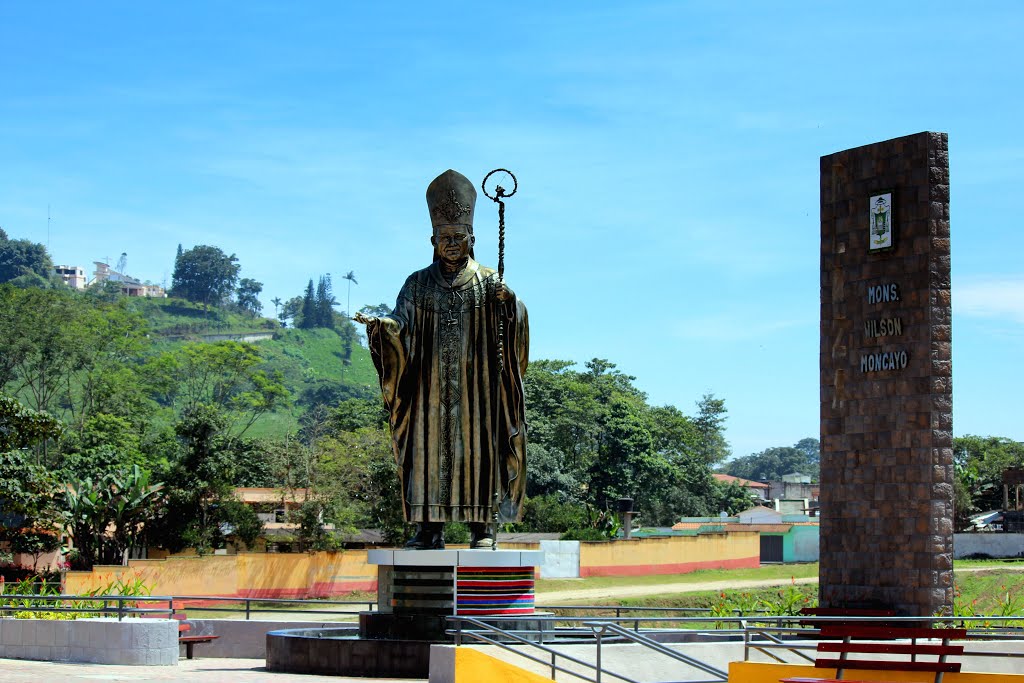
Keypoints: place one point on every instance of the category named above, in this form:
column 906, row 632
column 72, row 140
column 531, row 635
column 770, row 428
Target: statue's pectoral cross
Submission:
column 452, row 316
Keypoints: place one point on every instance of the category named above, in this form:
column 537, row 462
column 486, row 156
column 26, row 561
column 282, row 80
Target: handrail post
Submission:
column 120, row 609
column 598, row 633
column 553, row 669
column 248, row 604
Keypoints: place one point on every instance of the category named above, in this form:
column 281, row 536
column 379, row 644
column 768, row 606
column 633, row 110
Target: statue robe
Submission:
column 453, row 413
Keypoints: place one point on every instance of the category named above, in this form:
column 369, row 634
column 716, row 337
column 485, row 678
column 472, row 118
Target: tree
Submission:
column 205, row 275
column 292, row 310
column 351, row 277
column 277, row 306
column 308, row 311
column 772, row 463
column 109, row 516
column 227, row 374
column 324, row 303
column 27, row 489
column 980, row 462
column 200, row 484
column 248, row 296
column 378, row 310
column 734, row 498
column 64, row 351
column 710, row 424
column 19, row 258
column 594, row 438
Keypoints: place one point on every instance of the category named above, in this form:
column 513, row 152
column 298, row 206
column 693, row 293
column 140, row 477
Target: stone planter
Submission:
column 150, row 642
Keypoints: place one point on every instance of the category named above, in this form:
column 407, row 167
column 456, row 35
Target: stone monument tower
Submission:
column 886, row 391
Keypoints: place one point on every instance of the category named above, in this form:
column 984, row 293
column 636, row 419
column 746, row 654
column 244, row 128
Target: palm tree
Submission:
column 277, row 305
column 351, row 277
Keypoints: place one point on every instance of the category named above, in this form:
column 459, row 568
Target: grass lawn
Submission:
column 782, row 572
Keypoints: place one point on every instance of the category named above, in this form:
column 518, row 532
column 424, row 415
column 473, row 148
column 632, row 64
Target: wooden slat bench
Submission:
column 895, row 640
column 189, row 641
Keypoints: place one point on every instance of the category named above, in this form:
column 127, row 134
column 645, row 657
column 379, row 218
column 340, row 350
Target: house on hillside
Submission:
column 130, row 286
column 758, row 488
column 73, row 276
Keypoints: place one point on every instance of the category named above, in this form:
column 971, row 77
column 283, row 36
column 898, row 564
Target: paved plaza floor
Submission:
column 189, row 670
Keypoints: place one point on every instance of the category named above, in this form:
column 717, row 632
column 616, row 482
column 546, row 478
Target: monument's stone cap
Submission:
column 456, row 558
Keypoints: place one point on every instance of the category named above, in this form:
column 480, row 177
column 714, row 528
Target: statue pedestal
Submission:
column 463, row 582
column 417, row 590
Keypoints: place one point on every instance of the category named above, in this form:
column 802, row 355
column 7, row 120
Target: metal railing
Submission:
column 534, row 644
column 603, row 628
column 769, row 635
column 137, row 605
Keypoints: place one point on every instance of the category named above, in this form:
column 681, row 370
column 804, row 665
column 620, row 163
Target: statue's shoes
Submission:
column 485, row 541
column 426, row 539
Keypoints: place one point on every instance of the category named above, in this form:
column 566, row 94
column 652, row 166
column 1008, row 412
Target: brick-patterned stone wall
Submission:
column 886, row 420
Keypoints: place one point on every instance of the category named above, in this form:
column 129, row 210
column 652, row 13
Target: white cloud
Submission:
column 993, row 297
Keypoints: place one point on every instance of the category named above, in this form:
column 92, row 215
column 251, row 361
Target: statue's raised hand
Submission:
column 365, row 319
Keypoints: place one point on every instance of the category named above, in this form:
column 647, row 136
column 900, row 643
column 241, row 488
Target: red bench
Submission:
column 875, row 639
column 189, row 641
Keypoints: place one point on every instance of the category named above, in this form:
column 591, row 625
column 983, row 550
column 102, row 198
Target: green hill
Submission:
column 318, row 366
column 180, row 318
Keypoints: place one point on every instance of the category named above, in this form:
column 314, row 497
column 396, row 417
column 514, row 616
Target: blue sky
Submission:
column 667, row 153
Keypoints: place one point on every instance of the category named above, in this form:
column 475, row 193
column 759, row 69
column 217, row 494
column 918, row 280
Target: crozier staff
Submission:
column 458, row 423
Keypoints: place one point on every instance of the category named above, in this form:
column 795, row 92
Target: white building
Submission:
column 73, row 276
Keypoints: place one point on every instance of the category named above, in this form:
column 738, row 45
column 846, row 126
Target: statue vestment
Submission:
column 457, row 419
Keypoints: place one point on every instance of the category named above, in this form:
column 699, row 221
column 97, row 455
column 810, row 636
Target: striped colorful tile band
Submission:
column 495, row 590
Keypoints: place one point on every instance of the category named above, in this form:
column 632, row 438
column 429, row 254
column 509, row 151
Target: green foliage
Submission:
column 34, row 595
column 599, row 525
column 229, row 375
column 771, row 464
column 980, row 463
column 200, row 483
column 107, row 517
column 63, row 351
column 594, row 439
column 710, row 425
column 734, row 498
column 547, row 513
column 360, row 479
column 456, row 532
column 241, row 521
column 23, row 258
column 21, row 427
column 205, row 274
column 176, row 317
column 27, row 488
column 248, row 294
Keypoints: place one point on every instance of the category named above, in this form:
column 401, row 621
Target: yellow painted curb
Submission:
column 472, row 666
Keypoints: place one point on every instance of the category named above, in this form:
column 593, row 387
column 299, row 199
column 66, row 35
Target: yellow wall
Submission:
column 671, row 554
column 753, row 672
column 245, row 575
column 323, row 574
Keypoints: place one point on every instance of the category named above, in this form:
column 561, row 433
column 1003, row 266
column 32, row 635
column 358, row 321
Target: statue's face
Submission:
column 453, row 242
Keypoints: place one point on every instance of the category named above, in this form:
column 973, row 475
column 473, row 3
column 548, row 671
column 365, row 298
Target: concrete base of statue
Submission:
column 417, row 590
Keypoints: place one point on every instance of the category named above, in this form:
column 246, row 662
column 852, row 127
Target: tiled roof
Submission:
column 729, row 479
